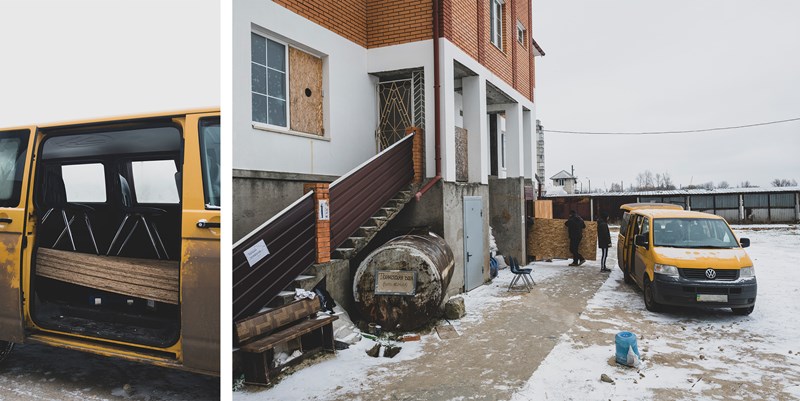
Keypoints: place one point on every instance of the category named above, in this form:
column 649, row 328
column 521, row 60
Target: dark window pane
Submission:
column 259, row 108
column 210, row 156
column 258, row 78
column 12, row 145
column 258, row 49
column 276, row 55
column 277, row 112
column 277, row 84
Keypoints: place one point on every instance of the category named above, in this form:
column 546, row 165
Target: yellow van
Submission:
column 109, row 238
column 686, row 258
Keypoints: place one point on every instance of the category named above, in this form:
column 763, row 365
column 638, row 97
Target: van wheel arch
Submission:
column 647, row 293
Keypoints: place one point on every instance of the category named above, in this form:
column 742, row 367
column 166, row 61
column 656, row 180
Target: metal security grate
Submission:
column 700, row 274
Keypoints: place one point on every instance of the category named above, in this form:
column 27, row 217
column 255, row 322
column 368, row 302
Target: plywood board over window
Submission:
column 305, row 92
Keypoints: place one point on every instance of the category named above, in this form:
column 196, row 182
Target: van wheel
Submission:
column 5, row 349
column 743, row 311
column 649, row 299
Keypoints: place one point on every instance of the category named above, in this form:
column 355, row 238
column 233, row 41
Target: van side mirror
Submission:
column 745, row 242
column 641, row 240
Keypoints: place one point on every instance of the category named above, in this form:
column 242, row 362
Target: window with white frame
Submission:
column 269, row 81
column 521, row 33
column 497, row 23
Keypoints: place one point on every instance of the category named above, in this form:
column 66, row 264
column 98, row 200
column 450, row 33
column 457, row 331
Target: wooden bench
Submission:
column 258, row 335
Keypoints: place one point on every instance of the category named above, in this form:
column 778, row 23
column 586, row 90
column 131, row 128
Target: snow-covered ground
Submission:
column 688, row 354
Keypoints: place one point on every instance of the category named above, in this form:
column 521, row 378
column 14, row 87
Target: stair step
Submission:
column 304, row 277
column 343, row 253
column 283, row 298
column 355, row 242
column 366, row 231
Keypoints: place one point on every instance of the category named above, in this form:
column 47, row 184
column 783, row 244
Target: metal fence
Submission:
column 355, row 197
column 279, row 250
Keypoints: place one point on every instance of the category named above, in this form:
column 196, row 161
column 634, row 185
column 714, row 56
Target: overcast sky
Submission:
column 629, row 66
column 68, row 60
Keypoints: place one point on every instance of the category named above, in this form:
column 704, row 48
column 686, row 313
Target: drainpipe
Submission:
column 437, row 129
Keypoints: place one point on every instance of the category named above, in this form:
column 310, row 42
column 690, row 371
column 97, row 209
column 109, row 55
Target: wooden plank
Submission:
column 543, row 209
column 288, row 334
column 143, row 278
column 548, row 239
column 263, row 323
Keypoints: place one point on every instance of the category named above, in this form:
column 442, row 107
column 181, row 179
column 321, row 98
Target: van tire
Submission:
column 5, row 349
column 743, row 311
column 647, row 291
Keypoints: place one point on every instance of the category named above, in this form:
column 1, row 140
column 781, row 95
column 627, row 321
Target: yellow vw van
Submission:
column 109, row 238
column 686, row 258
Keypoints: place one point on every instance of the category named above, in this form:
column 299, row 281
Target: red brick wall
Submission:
column 393, row 22
column 344, row 17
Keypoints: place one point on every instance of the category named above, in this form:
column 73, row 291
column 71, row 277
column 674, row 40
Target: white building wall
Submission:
column 350, row 119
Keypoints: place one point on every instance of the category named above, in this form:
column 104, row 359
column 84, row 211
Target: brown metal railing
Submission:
column 290, row 238
column 355, row 197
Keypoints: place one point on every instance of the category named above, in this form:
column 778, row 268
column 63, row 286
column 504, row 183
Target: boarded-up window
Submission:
column 305, row 92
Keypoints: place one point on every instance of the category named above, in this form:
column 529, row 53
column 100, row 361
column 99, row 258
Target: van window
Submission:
column 623, row 229
column 693, row 233
column 645, row 227
column 13, row 147
column 84, row 182
column 154, row 181
column 210, row 158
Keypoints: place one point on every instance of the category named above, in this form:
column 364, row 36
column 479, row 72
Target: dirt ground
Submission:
column 37, row 372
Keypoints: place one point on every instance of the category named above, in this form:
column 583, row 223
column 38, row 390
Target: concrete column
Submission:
column 741, row 207
column 529, row 144
column 447, row 111
column 475, row 122
column 591, row 209
column 797, row 206
column 514, row 143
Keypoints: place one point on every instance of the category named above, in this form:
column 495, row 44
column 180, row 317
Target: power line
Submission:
column 673, row 132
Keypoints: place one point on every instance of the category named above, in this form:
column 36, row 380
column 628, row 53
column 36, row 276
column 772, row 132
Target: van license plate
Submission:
column 712, row 298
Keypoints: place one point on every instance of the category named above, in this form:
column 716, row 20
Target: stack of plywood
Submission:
column 142, row 278
column 543, row 209
column 548, row 239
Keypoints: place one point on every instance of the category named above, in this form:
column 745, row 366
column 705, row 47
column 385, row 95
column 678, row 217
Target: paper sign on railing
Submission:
column 256, row 252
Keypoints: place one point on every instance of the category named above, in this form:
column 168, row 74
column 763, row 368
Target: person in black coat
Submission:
column 603, row 240
column 575, row 226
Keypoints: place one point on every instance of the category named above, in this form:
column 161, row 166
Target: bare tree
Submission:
column 645, row 180
column 723, row 184
column 615, row 187
column 747, row 184
column 783, row 182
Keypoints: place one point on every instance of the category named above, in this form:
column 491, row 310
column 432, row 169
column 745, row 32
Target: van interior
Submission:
column 107, row 251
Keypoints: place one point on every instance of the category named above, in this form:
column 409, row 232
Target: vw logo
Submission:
column 711, row 274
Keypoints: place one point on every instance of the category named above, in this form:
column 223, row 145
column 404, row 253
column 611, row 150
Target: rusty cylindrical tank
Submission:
column 427, row 255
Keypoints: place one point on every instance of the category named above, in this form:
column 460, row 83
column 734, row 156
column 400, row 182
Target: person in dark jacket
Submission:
column 603, row 240
column 575, row 226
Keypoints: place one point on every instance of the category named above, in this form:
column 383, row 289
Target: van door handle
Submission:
column 206, row 224
column 5, row 220
column 468, row 256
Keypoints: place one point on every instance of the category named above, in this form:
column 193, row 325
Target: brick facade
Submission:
column 394, row 22
column 466, row 23
column 347, row 18
column 321, row 193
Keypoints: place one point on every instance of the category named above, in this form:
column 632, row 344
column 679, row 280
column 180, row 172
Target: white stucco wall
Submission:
column 350, row 101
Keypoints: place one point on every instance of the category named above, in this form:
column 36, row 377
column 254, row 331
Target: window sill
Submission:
column 498, row 48
column 270, row 128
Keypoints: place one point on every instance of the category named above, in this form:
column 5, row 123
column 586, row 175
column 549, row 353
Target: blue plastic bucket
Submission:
column 625, row 339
